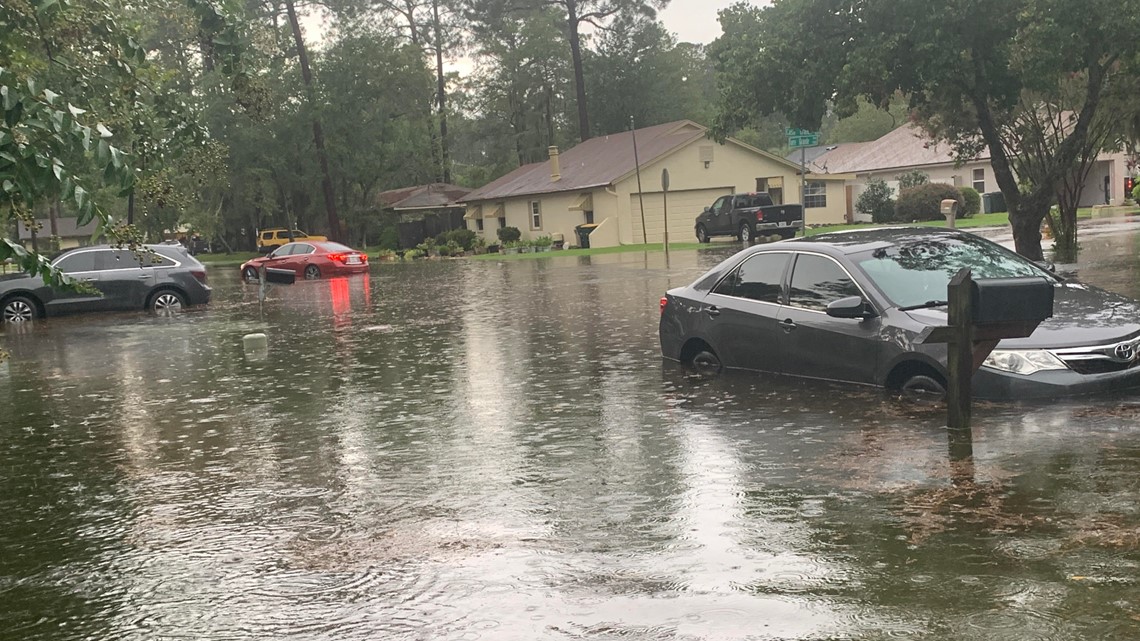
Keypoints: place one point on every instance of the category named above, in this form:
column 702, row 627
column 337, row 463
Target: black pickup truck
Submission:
column 747, row 216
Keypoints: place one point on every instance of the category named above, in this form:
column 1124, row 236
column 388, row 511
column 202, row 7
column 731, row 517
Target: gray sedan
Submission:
column 166, row 278
column 849, row 306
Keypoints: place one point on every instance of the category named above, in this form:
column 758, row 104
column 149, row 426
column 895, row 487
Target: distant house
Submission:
column 70, row 234
column 597, row 182
column 907, row 148
column 425, row 210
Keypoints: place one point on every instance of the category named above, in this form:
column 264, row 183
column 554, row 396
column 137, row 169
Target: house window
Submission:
column 535, row 214
column 980, row 180
column 502, row 222
column 479, row 224
column 815, row 194
column 589, row 217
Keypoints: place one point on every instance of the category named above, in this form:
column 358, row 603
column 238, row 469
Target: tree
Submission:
column 912, row 178
column 976, row 72
column 877, row 201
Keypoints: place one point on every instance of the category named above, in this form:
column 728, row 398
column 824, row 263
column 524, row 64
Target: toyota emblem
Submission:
column 1125, row 352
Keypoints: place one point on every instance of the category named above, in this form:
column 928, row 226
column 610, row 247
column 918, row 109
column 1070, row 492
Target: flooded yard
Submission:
column 495, row 450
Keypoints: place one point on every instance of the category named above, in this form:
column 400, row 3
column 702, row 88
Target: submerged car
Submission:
column 160, row 278
column 850, row 306
column 310, row 260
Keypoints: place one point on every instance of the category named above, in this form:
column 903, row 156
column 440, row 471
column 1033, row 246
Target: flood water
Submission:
column 495, row 450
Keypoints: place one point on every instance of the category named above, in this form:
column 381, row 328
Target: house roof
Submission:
column 905, row 147
column 597, row 162
column 432, row 196
column 65, row 226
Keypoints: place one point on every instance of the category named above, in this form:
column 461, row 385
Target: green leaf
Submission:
column 75, row 111
column 102, row 152
column 32, row 86
column 50, row 96
column 103, row 131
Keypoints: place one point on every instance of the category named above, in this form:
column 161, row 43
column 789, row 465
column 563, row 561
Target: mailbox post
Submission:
column 979, row 315
column 950, row 211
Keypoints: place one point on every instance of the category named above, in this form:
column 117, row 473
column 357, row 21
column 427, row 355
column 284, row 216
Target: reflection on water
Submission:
column 495, row 450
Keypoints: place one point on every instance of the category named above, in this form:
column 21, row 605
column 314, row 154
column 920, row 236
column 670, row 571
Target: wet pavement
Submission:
column 483, row 450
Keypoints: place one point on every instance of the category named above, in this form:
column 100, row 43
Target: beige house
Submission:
column 597, row 182
column 70, row 234
column 907, row 148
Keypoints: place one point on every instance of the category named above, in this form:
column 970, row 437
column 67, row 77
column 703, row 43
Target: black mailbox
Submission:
column 280, row 276
column 1012, row 300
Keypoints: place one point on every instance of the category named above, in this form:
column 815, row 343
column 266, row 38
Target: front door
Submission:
column 742, row 312
column 719, row 221
column 124, row 279
column 820, row 346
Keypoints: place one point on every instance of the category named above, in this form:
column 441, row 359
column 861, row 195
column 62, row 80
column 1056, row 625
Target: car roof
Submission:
column 859, row 240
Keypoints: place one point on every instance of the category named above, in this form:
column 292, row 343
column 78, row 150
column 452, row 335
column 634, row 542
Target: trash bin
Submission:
column 583, row 232
column 987, row 204
column 996, row 203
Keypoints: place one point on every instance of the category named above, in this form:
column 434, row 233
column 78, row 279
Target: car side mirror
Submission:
column 850, row 307
column 1046, row 265
column 707, row 210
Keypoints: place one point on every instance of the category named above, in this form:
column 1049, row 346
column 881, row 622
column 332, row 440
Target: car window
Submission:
column 817, row 281
column 267, row 235
column 282, row 235
column 283, row 250
column 302, row 249
column 119, row 259
column 80, row 262
column 719, row 204
column 745, row 201
column 758, row 278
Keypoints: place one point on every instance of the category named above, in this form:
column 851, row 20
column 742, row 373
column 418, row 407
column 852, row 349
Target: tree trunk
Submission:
column 441, row 95
column 335, row 231
column 1025, row 220
column 579, row 76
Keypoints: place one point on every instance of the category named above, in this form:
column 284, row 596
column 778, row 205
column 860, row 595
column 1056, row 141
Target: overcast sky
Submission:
column 694, row 20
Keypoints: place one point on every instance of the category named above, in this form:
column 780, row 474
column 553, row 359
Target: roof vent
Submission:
column 555, row 168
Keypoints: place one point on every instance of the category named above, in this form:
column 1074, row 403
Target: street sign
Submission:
column 809, row 140
column 792, row 131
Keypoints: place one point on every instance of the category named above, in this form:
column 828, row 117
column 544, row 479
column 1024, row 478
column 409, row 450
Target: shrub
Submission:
column 464, row 238
column 1136, row 193
column 924, row 202
column 509, row 234
column 389, row 237
column 971, row 202
column 877, row 200
column 542, row 241
column 912, row 178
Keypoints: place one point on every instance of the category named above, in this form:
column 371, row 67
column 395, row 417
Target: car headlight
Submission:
column 1025, row 362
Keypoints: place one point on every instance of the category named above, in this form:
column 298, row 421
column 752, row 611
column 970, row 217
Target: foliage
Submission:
column 877, row 200
column 462, row 238
column 924, row 202
column 971, row 202
column 508, row 234
column 542, row 241
column 912, row 178
column 1136, row 193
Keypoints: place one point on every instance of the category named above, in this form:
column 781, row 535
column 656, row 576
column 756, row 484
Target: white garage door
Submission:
column 684, row 207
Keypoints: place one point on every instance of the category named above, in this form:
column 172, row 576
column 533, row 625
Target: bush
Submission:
column 464, row 238
column 877, row 200
column 509, row 234
column 912, row 178
column 971, row 202
column 1136, row 193
column 924, row 202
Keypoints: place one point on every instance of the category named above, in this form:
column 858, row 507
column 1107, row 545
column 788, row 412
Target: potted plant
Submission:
column 542, row 243
column 511, row 247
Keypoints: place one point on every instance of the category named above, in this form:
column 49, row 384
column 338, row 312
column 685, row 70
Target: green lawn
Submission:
column 622, row 249
column 223, row 260
column 979, row 220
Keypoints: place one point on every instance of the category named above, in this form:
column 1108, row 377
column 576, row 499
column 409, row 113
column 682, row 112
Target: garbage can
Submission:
column 997, row 203
column 987, row 204
column 583, row 232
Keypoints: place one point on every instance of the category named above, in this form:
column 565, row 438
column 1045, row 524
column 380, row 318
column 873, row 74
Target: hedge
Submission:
column 924, row 202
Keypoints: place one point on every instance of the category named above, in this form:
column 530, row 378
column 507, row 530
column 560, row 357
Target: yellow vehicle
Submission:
column 270, row 239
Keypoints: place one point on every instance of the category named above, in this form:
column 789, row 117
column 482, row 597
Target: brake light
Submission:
column 664, row 302
column 200, row 275
column 759, row 215
column 340, row 258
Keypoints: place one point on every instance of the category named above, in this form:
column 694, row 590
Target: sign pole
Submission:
column 665, row 211
column 803, row 189
column 637, row 166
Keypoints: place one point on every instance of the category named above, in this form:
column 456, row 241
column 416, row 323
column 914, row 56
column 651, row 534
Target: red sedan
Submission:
column 310, row 260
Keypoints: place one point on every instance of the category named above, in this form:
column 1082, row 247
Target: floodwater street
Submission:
column 495, row 450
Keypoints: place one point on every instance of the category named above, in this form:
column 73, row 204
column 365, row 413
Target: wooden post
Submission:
column 960, row 361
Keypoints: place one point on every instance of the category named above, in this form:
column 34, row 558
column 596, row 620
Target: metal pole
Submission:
column 637, row 166
column 803, row 189
column 665, row 214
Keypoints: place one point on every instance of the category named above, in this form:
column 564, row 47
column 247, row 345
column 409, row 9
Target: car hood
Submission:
column 1082, row 315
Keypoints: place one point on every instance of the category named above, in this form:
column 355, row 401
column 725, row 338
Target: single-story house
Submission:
column 597, row 182
column 907, row 148
column 425, row 210
column 70, row 234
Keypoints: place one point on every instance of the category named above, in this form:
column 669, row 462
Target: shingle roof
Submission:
column 433, row 196
column 65, row 226
column 594, row 163
column 905, row 147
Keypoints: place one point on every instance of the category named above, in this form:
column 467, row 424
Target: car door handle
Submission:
column 787, row 325
column 144, row 275
column 712, row 311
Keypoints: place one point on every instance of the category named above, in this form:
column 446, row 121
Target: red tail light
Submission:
column 664, row 302
column 200, row 275
column 337, row 257
column 759, row 215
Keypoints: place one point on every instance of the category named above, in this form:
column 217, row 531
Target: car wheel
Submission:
column 312, row 272
column 166, row 301
column 924, row 387
column 706, row 362
column 250, row 275
column 702, row 234
column 746, row 233
column 19, row 309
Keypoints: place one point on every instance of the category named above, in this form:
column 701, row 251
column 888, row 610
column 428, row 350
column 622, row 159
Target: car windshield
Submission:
column 917, row 271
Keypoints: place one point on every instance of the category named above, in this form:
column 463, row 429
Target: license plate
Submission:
column 783, row 223
column 354, row 260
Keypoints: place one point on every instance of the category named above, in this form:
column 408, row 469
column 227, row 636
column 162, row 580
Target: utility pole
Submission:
column 637, row 166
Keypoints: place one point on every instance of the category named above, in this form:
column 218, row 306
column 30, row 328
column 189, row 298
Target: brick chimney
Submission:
column 555, row 168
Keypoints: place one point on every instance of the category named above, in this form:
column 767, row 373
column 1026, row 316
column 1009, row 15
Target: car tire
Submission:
column 923, row 387
column 706, row 362
column 702, row 234
column 19, row 309
column 312, row 272
column 250, row 275
column 166, row 301
column 745, row 234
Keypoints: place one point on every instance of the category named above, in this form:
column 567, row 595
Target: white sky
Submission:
column 695, row 20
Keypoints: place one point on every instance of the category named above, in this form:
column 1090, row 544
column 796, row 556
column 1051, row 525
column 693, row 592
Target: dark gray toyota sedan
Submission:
column 849, row 306
column 164, row 279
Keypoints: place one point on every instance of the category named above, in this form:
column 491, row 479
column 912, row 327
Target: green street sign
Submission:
column 792, row 131
column 808, row 140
